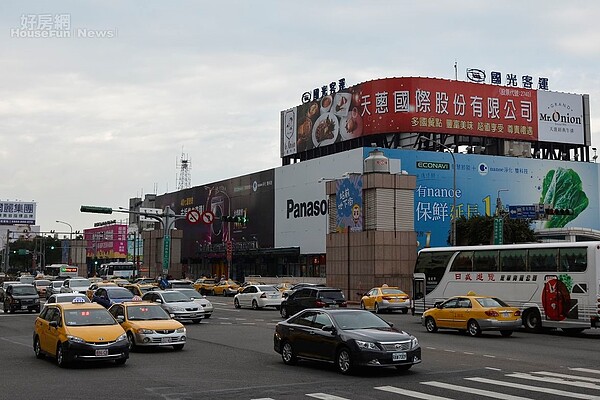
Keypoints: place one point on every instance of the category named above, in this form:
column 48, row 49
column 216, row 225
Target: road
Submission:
column 230, row 356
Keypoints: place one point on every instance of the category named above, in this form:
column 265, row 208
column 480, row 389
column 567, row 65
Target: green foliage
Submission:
column 479, row 230
column 562, row 189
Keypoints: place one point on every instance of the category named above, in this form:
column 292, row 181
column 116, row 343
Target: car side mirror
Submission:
column 120, row 319
column 284, row 295
column 54, row 324
column 438, row 305
column 158, row 300
column 329, row 328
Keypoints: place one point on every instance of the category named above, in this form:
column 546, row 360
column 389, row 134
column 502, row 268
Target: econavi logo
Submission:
column 483, row 169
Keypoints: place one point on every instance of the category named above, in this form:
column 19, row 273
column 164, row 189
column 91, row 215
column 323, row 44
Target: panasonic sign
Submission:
column 306, row 209
column 433, row 165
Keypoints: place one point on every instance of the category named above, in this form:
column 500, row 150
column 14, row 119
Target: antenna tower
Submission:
column 185, row 172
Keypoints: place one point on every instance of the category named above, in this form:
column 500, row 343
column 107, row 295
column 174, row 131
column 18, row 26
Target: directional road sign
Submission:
column 529, row 211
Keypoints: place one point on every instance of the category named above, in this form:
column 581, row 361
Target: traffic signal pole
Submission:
column 166, row 219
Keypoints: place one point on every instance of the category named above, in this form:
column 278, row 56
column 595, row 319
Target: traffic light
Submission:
column 238, row 219
column 96, row 210
column 559, row 211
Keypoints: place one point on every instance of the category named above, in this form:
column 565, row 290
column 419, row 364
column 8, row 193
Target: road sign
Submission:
column 166, row 253
column 207, row 217
column 529, row 211
column 498, row 231
column 193, row 216
column 229, row 250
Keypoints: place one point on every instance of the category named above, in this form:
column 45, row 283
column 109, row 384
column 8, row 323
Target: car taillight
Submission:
column 344, row 304
column 263, row 296
column 492, row 313
column 319, row 303
column 517, row 313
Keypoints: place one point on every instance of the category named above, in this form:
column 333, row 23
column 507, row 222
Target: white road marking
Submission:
column 417, row 395
column 325, row 396
column 534, row 388
column 576, row 377
column 480, row 392
column 586, row 385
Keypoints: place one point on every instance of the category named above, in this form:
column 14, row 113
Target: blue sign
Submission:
column 523, row 212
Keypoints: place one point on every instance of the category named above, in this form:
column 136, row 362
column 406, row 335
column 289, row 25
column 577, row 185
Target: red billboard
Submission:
column 109, row 242
column 395, row 105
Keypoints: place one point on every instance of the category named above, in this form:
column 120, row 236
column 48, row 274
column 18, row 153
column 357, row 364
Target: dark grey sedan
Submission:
column 346, row 338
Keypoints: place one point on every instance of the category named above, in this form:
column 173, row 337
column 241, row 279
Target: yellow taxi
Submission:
column 248, row 283
column 79, row 331
column 473, row 314
column 139, row 289
column 92, row 288
column 148, row 324
column 385, row 298
column 283, row 286
column 226, row 287
column 204, row 285
column 120, row 281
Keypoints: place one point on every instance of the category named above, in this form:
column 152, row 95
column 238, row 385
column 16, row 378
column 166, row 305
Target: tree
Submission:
column 480, row 230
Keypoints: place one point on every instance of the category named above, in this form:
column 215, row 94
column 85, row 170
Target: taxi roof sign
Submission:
column 78, row 299
column 136, row 298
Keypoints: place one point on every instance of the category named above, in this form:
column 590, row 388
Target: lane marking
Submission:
column 417, row 395
column 480, row 392
column 581, row 384
column 325, row 396
column 534, row 388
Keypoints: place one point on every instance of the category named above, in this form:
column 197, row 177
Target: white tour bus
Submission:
column 117, row 269
column 61, row 271
column 556, row 285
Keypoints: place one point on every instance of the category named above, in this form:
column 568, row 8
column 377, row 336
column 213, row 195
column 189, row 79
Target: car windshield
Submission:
column 24, row 290
column 359, row 320
column 80, row 282
column 119, row 293
column 392, row 291
column 332, row 294
column 491, row 302
column 267, row 288
column 57, row 284
column 191, row 293
column 175, row 297
column 42, row 282
column 87, row 317
column 146, row 312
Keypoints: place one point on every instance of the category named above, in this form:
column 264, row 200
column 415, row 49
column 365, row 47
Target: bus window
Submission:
column 543, row 260
column 573, row 259
column 513, row 260
column 485, row 260
column 433, row 264
column 463, row 262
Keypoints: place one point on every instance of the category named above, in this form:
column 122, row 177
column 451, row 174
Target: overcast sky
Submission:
column 97, row 121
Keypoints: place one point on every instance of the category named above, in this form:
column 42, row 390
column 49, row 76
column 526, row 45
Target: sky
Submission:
column 97, row 120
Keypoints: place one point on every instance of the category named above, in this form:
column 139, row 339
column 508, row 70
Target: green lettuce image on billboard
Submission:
column 562, row 188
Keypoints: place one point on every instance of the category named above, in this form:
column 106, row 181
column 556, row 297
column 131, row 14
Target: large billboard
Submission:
column 301, row 214
column 407, row 105
column 248, row 195
column 109, row 241
column 17, row 212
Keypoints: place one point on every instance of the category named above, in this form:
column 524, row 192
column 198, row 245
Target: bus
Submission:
column 556, row 285
column 117, row 269
column 61, row 271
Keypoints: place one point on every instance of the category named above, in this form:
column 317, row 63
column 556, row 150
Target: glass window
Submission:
column 463, row 262
column 321, row 320
column 305, row 319
column 543, row 260
column 485, row 261
column 452, row 303
column 513, row 260
column 464, row 303
column 433, row 264
column 491, row 302
column 573, row 259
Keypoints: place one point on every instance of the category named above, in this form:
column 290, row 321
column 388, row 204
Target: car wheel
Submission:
column 284, row 312
column 60, row 356
column 120, row 361
column 430, row 325
column 178, row 347
column 377, row 310
column 287, row 354
column 37, row 348
column 362, row 305
column 473, row 328
column 405, row 311
column 506, row 333
column 343, row 360
column 404, row 367
column 532, row 321
column 131, row 341
column 254, row 305
column 236, row 303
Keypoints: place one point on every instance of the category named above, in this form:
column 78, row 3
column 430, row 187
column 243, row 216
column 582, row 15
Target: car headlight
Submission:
column 414, row 343
column 122, row 337
column 366, row 345
column 180, row 330
column 145, row 331
column 175, row 308
column 75, row 339
column 36, row 300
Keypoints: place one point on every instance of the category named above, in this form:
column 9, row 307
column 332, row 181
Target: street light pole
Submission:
column 453, row 220
column 66, row 223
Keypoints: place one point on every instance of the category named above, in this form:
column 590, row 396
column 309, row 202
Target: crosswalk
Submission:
column 574, row 383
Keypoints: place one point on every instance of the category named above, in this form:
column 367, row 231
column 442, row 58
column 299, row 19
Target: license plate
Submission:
column 399, row 357
column 506, row 314
column 165, row 340
column 333, row 306
column 23, row 307
column 101, row 352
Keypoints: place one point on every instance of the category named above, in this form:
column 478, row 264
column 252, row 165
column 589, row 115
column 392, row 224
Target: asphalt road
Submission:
column 230, row 356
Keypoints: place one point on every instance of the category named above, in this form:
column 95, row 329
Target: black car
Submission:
column 21, row 297
column 311, row 297
column 348, row 338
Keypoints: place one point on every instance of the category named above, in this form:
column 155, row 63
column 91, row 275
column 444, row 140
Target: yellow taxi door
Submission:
column 446, row 315
column 462, row 313
column 370, row 299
